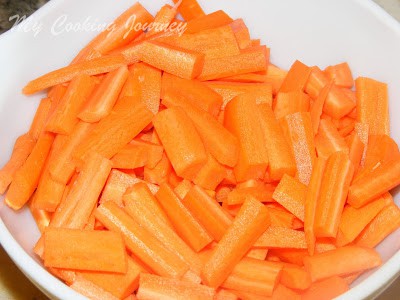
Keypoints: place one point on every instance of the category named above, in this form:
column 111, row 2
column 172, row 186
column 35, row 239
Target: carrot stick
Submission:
column 311, row 202
column 362, row 130
column 22, row 148
column 42, row 217
column 102, row 100
column 211, row 174
column 262, row 193
column 26, row 178
column 287, row 103
column 275, row 76
column 295, row 277
column 260, row 254
column 340, row 74
column 41, row 116
column 196, row 92
column 280, row 237
column 223, row 294
column 116, row 186
column 119, row 285
column 328, row 140
column 90, row 290
column 112, row 133
column 372, row 105
column 254, row 276
column 386, row 221
column 326, row 289
column 242, row 119
column 298, row 130
column 163, row 18
column 156, row 287
column 92, row 67
column 242, row 33
column 208, row 212
column 280, row 217
column 213, row 20
column 356, row 150
column 183, row 188
column 354, row 220
column 377, row 182
column 291, row 194
column 296, row 78
column 317, row 80
column 187, row 227
column 221, row 144
column 317, row 107
column 65, row 116
column 247, row 227
column 163, row 57
column 84, row 250
column 280, row 156
column 342, row 261
column 246, row 62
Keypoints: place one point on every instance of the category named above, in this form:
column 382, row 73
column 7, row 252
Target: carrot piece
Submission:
column 317, row 80
column 183, row 188
column 246, row 62
column 354, row 220
column 92, row 67
column 387, row 221
column 328, row 140
column 280, row 156
column 356, row 150
column 107, row 137
column 280, row 217
column 296, row 78
column 141, row 205
column 155, row 287
column 242, row 119
column 342, row 261
column 213, row 43
column 362, row 130
column 65, row 116
column 250, row 78
column 213, row 20
column 42, row 217
column 298, row 130
column 41, row 116
column 90, row 290
column 196, row 92
column 163, row 18
column 280, row 237
column 26, row 178
column 295, row 277
column 229, row 90
column 254, row 276
column 318, row 105
column 183, row 221
column 116, row 186
column 140, row 242
column 104, row 97
column 164, row 57
column 84, row 250
column 211, row 174
column 380, row 180
column 22, row 148
column 119, row 285
column 181, row 141
column 241, row 33
column 208, row 212
column 326, row 289
column 372, row 105
column 218, row 141
column 257, row 253
column 291, row 194
column 223, row 294
column 311, row 202
column 189, row 9
column 287, row 103
column 262, row 193
column 62, row 166
column 340, row 74
column 251, row 221
column 160, row 173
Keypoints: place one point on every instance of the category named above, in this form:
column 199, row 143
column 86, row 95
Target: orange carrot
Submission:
column 181, row 141
column 65, row 116
column 90, row 290
column 26, row 178
column 287, row 103
column 242, row 119
column 42, row 115
column 328, row 140
column 163, row 57
column 342, row 261
column 296, row 78
column 362, row 130
column 356, row 150
column 317, row 80
column 387, row 221
column 156, row 287
column 211, row 174
column 163, row 18
column 262, row 192
column 22, row 148
column 280, row 237
column 326, row 289
column 189, row 9
column 340, row 74
column 223, row 294
column 247, row 227
column 160, row 173
column 280, row 217
column 42, row 217
column 104, row 97
column 84, row 250
column 183, row 188
column 372, row 105
column 295, row 277
column 116, row 186
column 213, row 20
column 317, row 107
column 291, row 194
column 242, row 33
column 140, row 242
column 196, row 92
column 257, row 253
column 298, row 130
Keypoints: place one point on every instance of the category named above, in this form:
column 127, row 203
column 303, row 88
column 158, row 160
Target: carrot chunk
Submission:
column 287, row 103
column 210, row 21
column 326, row 289
column 190, row 9
column 340, row 74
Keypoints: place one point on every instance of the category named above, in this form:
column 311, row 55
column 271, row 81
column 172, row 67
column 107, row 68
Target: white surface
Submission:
column 318, row 32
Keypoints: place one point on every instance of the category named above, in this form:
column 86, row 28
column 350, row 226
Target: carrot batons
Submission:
column 295, row 277
column 317, row 107
column 89, row 289
column 287, row 103
column 341, row 75
column 296, row 78
column 163, row 18
column 41, row 118
column 211, row 174
column 251, row 221
column 116, row 186
column 190, row 9
column 84, row 250
column 242, row 119
column 280, row 237
column 373, row 105
column 328, row 140
column 326, row 289
column 213, row 20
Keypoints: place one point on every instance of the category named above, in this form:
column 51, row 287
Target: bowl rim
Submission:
column 370, row 288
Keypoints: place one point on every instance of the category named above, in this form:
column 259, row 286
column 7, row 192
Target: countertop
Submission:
column 13, row 284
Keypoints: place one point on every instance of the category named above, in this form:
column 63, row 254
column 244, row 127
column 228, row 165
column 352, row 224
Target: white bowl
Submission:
column 318, row 32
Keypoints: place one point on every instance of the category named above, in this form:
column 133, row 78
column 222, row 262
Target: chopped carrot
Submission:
column 116, row 186
column 280, row 237
column 224, row 294
column 295, row 277
column 90, row 290
column 262, row 192
column 257, row 253
column 326, row 289
column 362, row 130
column 189, row 9
column 242, row 33
column 205, row 22
column 42, row 115
column 160, row 173
column 340, row 74
column 296, row 78
column 275, row 76
column 287, row 103
column 163, row 18
column 317, row 107
column 211, row 174
column 183, row 188
column 281, row 217
column 328, row 140
column 42, row 217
